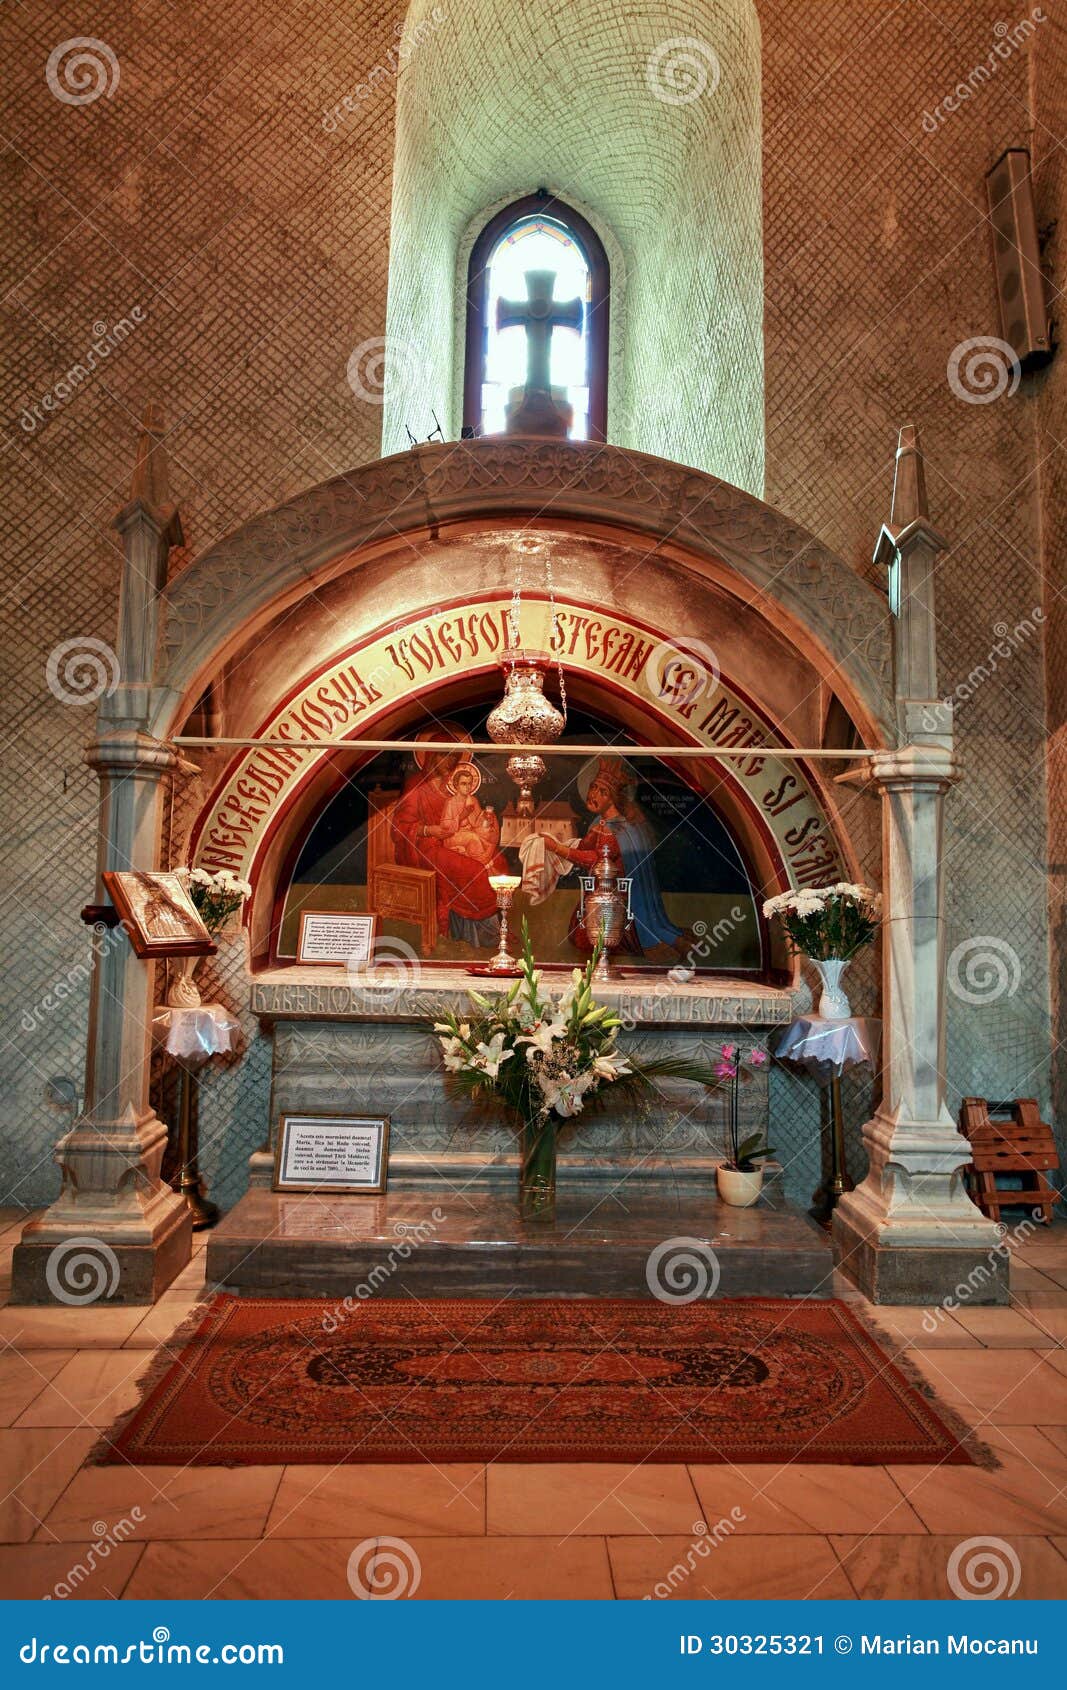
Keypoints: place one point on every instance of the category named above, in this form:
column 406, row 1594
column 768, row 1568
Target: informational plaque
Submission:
column 332, row 1153
column 335, row 936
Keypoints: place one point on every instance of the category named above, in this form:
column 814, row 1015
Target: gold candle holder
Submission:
column 505, row 886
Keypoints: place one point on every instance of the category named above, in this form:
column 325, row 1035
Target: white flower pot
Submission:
column 738, row 1189
column 833, row 1004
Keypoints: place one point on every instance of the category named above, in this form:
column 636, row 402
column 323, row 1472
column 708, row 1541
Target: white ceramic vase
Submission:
column 739, row 1189
column 184, row 993
column 833, row 1003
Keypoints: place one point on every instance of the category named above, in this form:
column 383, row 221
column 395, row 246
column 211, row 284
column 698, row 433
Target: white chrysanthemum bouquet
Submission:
column 545, row 1058
column 216, row 896
column 826, row 922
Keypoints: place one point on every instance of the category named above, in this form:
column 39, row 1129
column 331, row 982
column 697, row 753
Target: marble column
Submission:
column 116, row 1233
column 910, row 1233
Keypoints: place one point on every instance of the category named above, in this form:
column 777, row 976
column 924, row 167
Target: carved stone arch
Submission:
column 770, row 563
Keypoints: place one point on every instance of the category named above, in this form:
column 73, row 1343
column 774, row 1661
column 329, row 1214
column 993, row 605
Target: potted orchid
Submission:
column 828, row 925
column 740, row 1177
column 216, row 897
column 546, row 1059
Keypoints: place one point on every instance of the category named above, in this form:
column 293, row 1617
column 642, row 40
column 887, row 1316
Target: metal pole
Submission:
column 488, row 747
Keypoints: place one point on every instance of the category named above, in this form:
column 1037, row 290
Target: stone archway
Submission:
column 775, row 568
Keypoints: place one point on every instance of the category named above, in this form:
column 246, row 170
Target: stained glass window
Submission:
column 517, row 242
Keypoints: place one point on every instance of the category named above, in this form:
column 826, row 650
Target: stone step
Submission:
column 614, row 1241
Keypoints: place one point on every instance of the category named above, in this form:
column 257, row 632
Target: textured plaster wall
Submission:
column 601, row 104
column 207, row 191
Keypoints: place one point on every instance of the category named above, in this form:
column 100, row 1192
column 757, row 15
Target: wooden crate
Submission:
column 1015, row 1142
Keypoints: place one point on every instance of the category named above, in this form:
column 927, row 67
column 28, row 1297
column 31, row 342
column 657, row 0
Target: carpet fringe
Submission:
column 954, row 1422
column 103, row 1452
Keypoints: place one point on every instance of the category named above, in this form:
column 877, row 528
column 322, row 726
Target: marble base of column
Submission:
column 119, row 1241
column 910, row 1233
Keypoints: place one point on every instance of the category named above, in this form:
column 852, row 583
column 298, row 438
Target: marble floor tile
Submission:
column 12, row 1221
column 527, row 1569
column 1025, row 1276
column 1008, row 1329
column 588, row 1499
column 917, row 1568
column 1026, row 1495
column 783, row 1567
column 1057, row 1436
column 175, row 1502
column 317, row 1568
column 799, row 1497
column 979, row 1385
column 24, row 1375
column 923, row 1329
column 1047, row 1309
column 168, row 1322
column 1041, row 1237
column 255, row 1569
column 36, row 1465
column 360, row 1501
column 31, row 1328
column 66, row 1571
column 92, row 1389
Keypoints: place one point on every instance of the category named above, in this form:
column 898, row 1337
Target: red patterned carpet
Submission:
column 531, row 1380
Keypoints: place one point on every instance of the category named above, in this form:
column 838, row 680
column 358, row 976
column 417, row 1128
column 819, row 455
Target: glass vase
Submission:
column 537, row 1169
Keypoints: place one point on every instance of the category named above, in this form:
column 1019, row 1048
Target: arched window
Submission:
column 537, row 234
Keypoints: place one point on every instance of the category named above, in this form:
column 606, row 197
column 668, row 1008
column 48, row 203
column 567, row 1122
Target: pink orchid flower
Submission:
column 724, row 1071
column 729, row 1052
column 757, row 1057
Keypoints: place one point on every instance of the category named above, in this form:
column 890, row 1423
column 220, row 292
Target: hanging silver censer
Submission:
column 525, row 716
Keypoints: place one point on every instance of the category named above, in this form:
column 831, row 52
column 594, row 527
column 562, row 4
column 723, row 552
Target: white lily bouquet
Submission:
column 545, row 1058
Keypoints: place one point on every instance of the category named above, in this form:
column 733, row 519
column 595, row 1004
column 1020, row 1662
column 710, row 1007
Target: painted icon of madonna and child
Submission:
column 439, row 822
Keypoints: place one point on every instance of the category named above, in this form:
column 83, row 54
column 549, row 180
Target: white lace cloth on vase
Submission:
column 541, row 867
column 194, row 1035
column 829, row 1048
